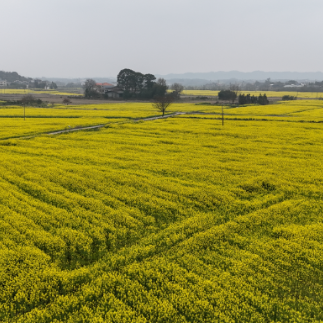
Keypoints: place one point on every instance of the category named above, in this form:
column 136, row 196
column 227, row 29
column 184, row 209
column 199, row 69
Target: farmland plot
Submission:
column 175, row 220
column 270, row 94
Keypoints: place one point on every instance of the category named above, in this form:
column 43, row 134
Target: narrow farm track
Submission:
column 103, row 125
column 75, row 129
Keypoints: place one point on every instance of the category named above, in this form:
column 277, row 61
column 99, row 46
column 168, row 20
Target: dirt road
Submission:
column 103, row 125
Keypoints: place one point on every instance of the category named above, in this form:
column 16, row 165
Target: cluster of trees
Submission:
column 145, row 86
column 18, row 85
column 251, row 99
column 289, row 98
column 142, row 86
column 247, row 99
column 227, row 95
column 136, row 85
column 13, row 76
column 37, row 84
column 262, row 99
column 29, row 100
column 16, row 81
column 233, row 94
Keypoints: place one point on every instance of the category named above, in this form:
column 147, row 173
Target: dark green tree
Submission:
column 90, row 89
column 139, row 82
column 227, row 95
column 39, row 84
column 247, row 99
column 138, row 85
column 53, row 86
column 149, row 81
column 127, row 80
column 263, row 100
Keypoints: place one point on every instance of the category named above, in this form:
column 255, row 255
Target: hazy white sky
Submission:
column 93, row 38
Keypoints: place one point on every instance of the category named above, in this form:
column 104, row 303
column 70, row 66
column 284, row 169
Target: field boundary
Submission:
column 99, row 126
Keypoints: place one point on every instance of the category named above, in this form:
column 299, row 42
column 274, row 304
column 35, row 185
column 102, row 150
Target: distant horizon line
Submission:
column 182, row 73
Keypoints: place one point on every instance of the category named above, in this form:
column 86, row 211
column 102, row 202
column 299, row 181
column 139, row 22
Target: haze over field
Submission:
column 81, row 38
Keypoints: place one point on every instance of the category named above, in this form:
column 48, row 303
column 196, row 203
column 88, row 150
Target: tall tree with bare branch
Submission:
column 161, row 103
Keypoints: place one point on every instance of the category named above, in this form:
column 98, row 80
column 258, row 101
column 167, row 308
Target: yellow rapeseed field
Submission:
column 173, row 220
column 270, row 94
column 59, row 117
column 33, row 91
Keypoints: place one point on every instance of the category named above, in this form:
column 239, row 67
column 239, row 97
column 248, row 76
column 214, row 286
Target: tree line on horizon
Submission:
column 252, row 99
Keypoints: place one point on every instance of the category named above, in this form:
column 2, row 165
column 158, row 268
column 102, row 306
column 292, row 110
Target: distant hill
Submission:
column 252, row 76
column 13, row 76
column 61, row 80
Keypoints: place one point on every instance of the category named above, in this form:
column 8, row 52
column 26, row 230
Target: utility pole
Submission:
column 24, row 112
column 222, row 117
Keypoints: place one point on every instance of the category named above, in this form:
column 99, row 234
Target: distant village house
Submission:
column 294, row 85
column 110, row 90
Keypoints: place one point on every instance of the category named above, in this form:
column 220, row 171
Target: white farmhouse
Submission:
column 294, row 85
column 3, row 83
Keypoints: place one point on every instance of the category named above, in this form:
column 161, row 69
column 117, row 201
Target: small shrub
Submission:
column 289, row 98
column 201, row 98
column 203, row 103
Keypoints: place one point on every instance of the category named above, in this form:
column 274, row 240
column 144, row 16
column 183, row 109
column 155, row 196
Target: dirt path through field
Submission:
column 103, row 125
